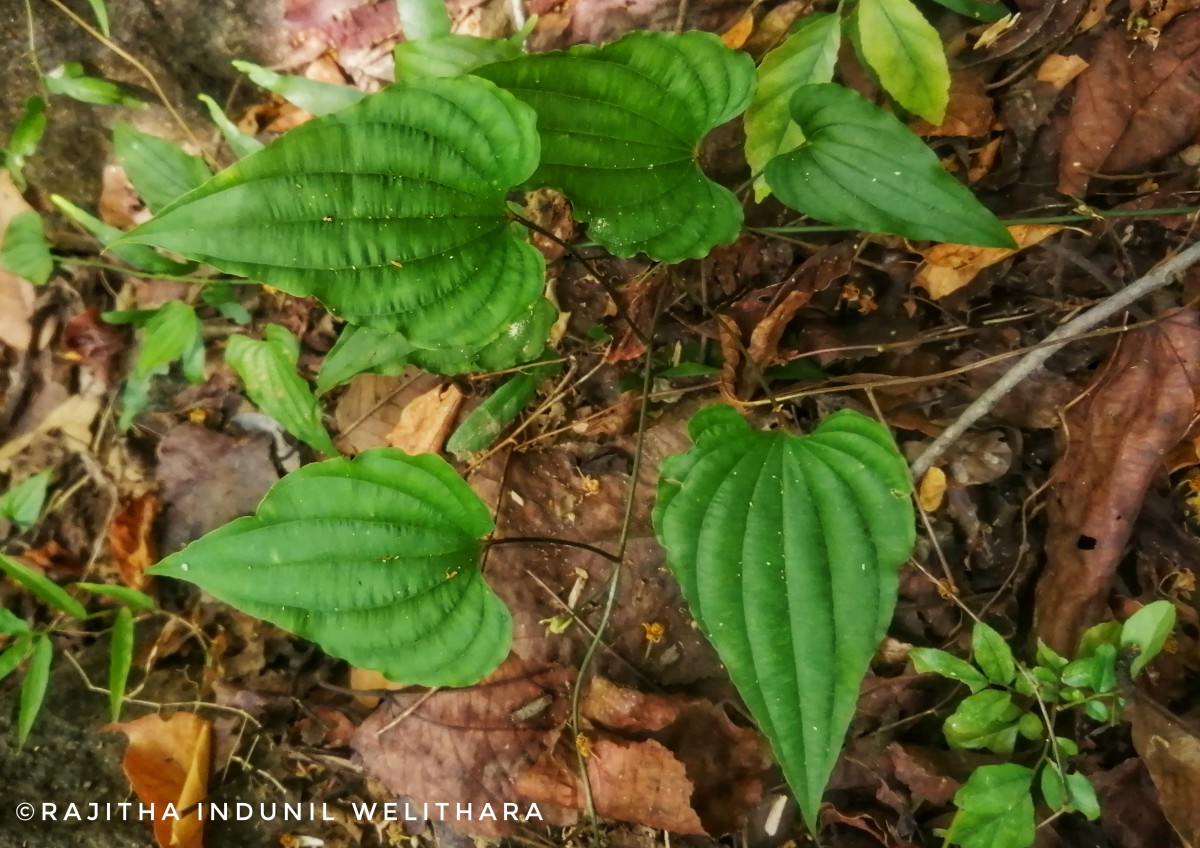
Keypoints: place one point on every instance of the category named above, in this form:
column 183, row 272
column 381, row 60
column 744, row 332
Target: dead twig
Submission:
column 1158, row 277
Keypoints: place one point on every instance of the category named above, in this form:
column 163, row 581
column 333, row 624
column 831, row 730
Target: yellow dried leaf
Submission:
column 736, row 35
column 932, row 489
column 949, row 267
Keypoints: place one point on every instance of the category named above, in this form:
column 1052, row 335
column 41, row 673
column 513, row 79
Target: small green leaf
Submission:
column 1080, row 674
column 987, row 719
column 1147, row 630
column 423, row 19
column 25, row 138
column 42, row 587
column 160, row 170
column 33, row 688
column 135, row 397
column 15, row 654
column 993, row 655
column 137, row 255
column 1105, row 633
column 120, row 660
column 1105, row 673
column 806, row 56
column 132, row 598
column 314, row 97
column 376, row 559
column 11, row 624
column 488, row 420
column 449, row 56
column 1054, row 788
column 225, row 299
column 786, row 549
column 361, row 350
column 1097, row 710
column 239, row 142
column 23, row 503
column 979, row 10
column 70, row 80
column 905, row 52
column 1083, row 796
column 932, row 660
column 621, row 126
column 268, row 370
column 25, row 251
column 1047, row 657
column 995, row 809
column 1031, row 727
column 421, row 244
column 860, row 168
column 1067, row 746
column 170, row 334
column 100, row 10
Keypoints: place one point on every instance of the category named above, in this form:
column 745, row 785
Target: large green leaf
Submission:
column 806, row 56
column 392, row 212
column 905, row 52
column 787, row 548
column 375, row 559
column 620, row 127
column 161, row 171
column 860, row 168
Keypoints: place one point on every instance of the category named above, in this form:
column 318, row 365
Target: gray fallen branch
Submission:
column 1158, row 277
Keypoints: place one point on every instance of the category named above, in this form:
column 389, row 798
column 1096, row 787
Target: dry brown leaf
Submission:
column 736, row 35
column 932, row 489
column 425, row 421
column 1058, row 70
column 371, row 405
column 949, row 267
column 619, row 708
column 1097, row 11
column 131, row 539
column 16, row 308
column 1139, row 408
column 167, row 761
column 1133, row 106
column 72, row 418
column 1171, row 753
column 970, row 112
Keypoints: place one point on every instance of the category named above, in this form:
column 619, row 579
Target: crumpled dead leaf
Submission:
column 1134, row 105
column 949, row 267
column 1171, row 753
column 1139, row 408
column 168, row 761
column 425, row 421
column 131, row 539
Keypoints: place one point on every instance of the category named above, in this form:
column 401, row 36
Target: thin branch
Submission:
column 1159, row 277
column 547, row 540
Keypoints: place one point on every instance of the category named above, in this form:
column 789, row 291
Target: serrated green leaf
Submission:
column 423, row 19
column 979, row 10
column 11, row 624
column 268, row 371
column 1147, row 630
column 42, row 587
column 487, row 421
column 167, row 336
column 131, row 598
column 161, row 171
column 449, row 56
column 137, row 255
column 23, row 503
column 313, row 96
column 859, row 167
column 806, row 56
column 808, row 533
column 995, row 809
column 993, row 655
column 905, row 52
column 70, row 80
column 376, row 559
column 15, row 654
column 987, row 719
column 1083, row 796
column 25, row 250
column 239, row 142
column 33, row 688
column 932, row 660
column 620, row 128
column 119, row 661
column 419, row 244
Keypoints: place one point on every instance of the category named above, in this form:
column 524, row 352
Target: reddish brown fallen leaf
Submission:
column 949, row 267
column 1139, row 408
column 969, row 114
column 1171, row 753
column 619, row 708
column 918, row 771
column 1133, row 816
column 131, row 539
column 1134, row 105
column 167, row 761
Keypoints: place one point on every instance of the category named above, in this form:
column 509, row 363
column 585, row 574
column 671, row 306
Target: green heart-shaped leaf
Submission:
column 786, row 548
column 392, row 212
column 620, row 127
column 375, row 559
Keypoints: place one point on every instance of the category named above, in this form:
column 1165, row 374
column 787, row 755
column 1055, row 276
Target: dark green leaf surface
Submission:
column 620, row 127
column 268, row 370
column 787, row 549
column 25, row 138
column 987, row 719
column 487, row 421
column 25, row 251
column 392, row 212
column 15, row 654
column 931, row 660
column 860, row 168
column 45, row 589
column 137, row 255
column 119, row 661
column 33, row 688
column 161, row 171
column 132, row 598
column 376, row 559
column 168, row 336
column 980, row 10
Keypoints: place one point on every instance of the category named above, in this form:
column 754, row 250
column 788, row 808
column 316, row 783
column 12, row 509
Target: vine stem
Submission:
column 1157, row 278
column 549, row 540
